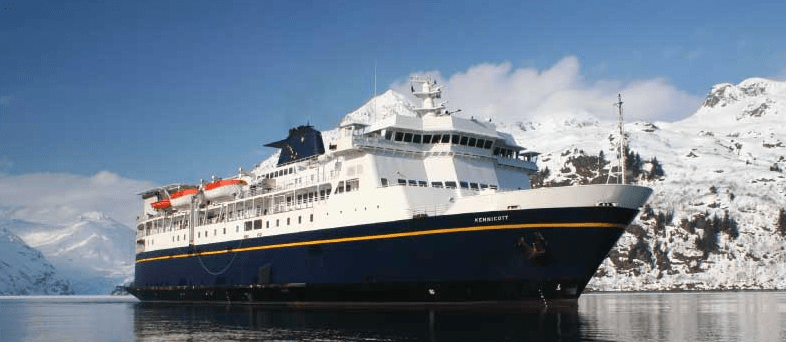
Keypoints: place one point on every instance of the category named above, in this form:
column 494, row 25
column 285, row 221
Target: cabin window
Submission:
column 299, row 219
column 487, row 145
column 311, row 196
column 474, row 186
column 422, row 183
column 455, row 139
column 215, row 232
column 322, row 194
column 402, row 181
column 471, row 142
column 287, row 221
column 353, row 184
column 225, row 231
column 388, row 135
column 416, row 139
column 199, row 234
column 426, row 138
column 340, row 188
column 463, row 141
column 413, row 182
column 464, row 185
column 450, row 185
column 277, row 223
column 407, row 137
column 384, row 181
column 257, row 224
column 436, row 184
column 248, row 226
column 267, row 224
column 291, row 170
column 399, row 136
column 480, row 143
column 311, row 217
column 445, row 138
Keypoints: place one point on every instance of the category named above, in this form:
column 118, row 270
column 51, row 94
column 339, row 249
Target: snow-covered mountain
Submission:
column 95, row 253
column 723, row 161
column 713, row 218
column 24, row 270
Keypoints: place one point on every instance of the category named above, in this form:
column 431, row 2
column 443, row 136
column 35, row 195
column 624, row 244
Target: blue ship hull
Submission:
column 489, row 256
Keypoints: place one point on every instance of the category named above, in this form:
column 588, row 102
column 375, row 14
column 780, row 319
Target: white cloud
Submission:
column 59, row 198
column 500, row 92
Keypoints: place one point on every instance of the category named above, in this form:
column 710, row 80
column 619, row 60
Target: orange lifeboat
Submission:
column 162, row 204
column 182, row 198
column 223, row 188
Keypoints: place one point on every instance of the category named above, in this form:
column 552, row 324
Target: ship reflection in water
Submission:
column 708, row 316
column 753, row 316
column 167, row 322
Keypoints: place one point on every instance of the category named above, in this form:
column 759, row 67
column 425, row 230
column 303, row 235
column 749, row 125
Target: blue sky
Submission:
column 168, row 92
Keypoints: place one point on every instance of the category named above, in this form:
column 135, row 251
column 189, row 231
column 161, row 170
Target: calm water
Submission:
column 730, row 316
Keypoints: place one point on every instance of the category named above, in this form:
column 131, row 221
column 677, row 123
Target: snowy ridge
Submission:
column 95, row 253
column 24, row 270
column 723, row 159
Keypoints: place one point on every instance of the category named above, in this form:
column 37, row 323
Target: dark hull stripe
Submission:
column 390, row 236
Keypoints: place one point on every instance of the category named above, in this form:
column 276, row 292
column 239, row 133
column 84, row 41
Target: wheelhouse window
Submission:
column 471, row 142
column 399, row 136
column 353, row 184
column 445, row 138
column 436, row 184
column 412, row 182
column 480, row 143
column 455, row 139
column 402, row 181
column 384, row 181
column 340, row 187
column 416, row 139
column 484, row 186
column 407, row 137
column 464, row 185
column 463, row 141
column 426, row 138
column 422, row 183
column 450, row 185
column 487, row 145
column 388, row 135
column 474, row 186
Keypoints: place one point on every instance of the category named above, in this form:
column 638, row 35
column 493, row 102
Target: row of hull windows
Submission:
column 438, row 184
column 248, row 225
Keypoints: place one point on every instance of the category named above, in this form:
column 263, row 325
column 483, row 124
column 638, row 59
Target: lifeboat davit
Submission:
column 162, row 204
column 224, row 188
column 182, row 198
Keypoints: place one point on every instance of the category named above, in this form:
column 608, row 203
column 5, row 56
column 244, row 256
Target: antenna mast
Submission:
column 622, row 139
column 375, row 91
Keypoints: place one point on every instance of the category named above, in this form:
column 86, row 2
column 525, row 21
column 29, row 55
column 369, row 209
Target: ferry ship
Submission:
column 431, row 208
